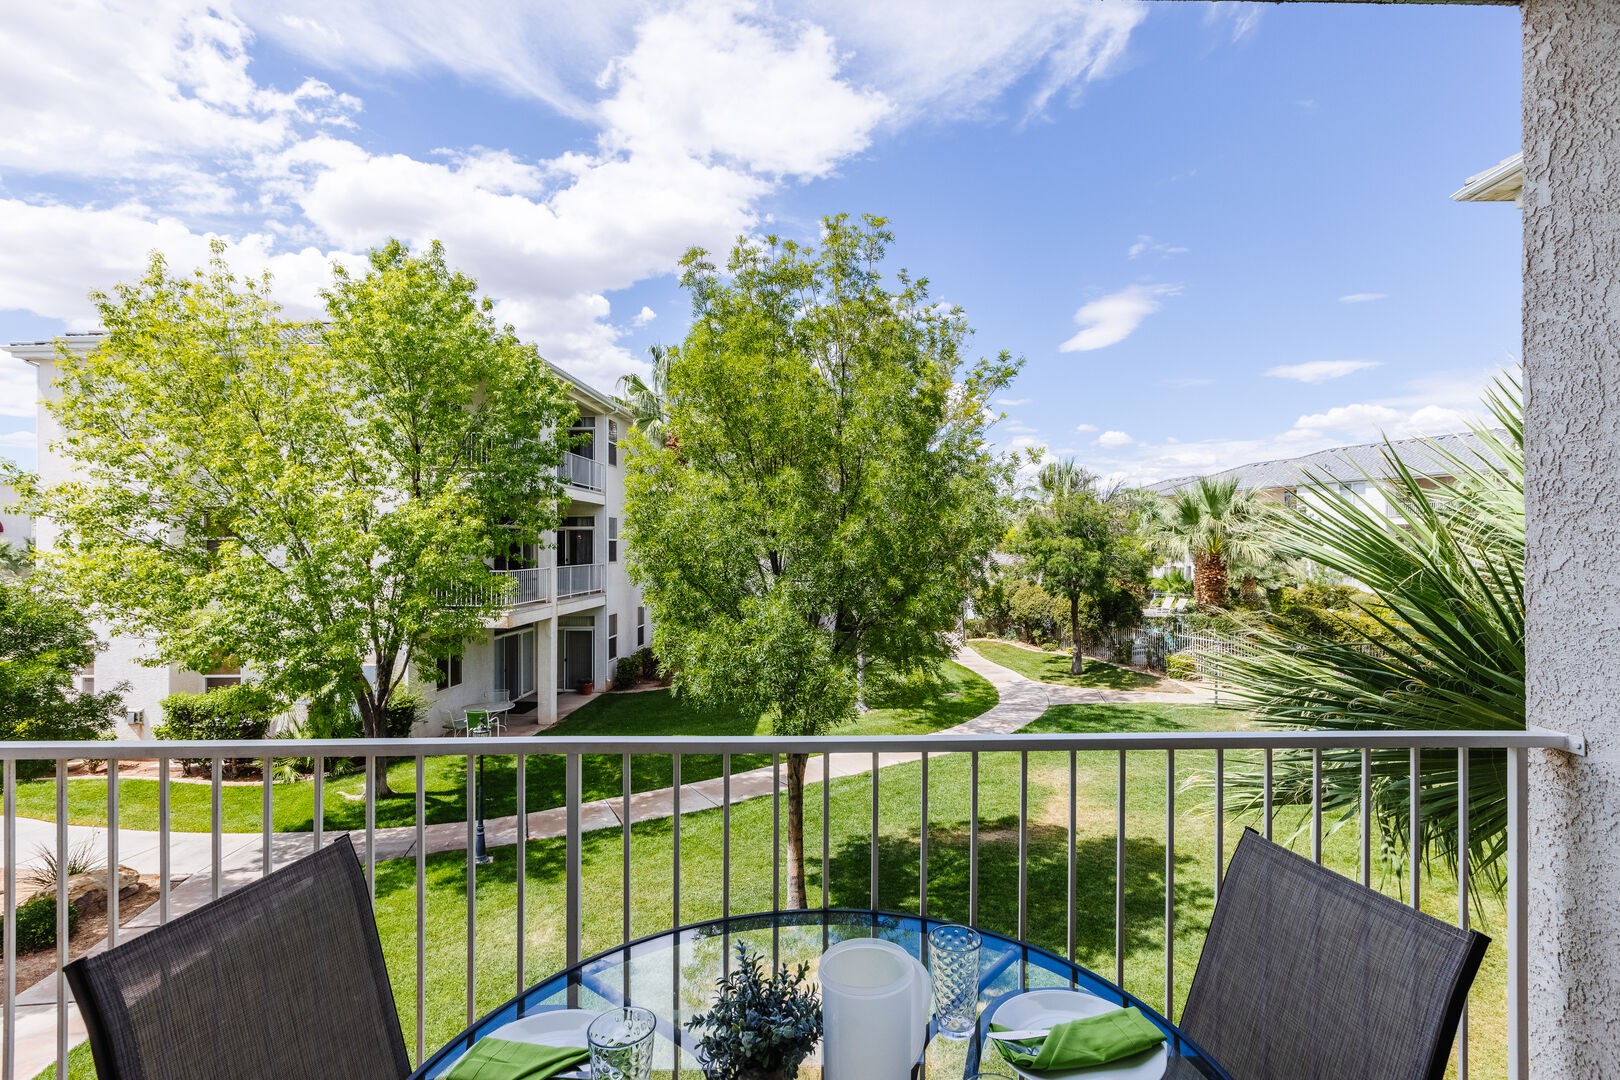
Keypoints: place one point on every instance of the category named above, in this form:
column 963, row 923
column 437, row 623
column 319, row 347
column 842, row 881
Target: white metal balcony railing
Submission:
column 568, row 816
column 582, row 472
column 526, row 586
column 581, row 580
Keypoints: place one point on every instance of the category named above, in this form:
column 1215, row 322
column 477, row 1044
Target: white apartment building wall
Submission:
column 539, row 625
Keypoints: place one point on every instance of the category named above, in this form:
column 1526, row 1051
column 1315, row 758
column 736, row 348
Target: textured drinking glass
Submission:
column 953, row 962
column 622, row 1044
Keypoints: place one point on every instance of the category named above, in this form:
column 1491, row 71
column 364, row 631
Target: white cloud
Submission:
column 1012, row 403
column 1112, row 319
column 1113, row 440
column 1187, row 382
column 1146, row 245
column 1362, row 297
column 1241, row 15
column 1315, row 371
column 25, row 438
column 644, row 316
column 1086, row 428
column 1430, row 405
column 1015, row 427
column 18, row 387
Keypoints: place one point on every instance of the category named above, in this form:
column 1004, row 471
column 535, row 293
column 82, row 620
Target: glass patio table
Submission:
column 674, row 974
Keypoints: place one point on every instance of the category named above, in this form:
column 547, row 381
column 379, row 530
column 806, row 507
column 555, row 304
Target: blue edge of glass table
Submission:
column 673, row 974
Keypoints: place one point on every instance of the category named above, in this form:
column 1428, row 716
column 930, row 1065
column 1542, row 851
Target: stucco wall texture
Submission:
column 1572, row 457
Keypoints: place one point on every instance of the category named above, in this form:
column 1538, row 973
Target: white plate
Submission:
column 559, row 1027
column 1044, row 1008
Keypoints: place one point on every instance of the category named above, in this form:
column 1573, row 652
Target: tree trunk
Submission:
column 795, row 791
column 1249, row 592
column 1209, row 581
column 1077, row 665
column 373, row 726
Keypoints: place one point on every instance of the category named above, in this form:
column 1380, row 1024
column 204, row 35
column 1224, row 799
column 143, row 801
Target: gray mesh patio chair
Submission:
column 1306, row 973
column 282, row 978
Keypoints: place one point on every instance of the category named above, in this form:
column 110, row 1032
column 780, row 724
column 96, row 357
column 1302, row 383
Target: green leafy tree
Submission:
column 316, row 502
column 1217, row 525
column 1083, row 545
column 45, row 642
column 833, row 499
column 1438, row 645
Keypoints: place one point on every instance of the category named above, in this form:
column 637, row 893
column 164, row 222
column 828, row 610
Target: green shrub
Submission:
column 406, row 709
column 626, row 671
column 649, row 663
column 1181, row 666
column 36, row 924
column 240, row 712
column 1124, row 651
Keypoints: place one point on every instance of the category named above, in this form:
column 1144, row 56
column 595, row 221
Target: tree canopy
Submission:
column 832, row 497
column 313, row 501
column 44, row 643
column 1217, row 525
column 1083, row 544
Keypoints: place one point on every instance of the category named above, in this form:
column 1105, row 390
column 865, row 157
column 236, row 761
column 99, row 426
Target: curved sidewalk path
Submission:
column 1021, row 701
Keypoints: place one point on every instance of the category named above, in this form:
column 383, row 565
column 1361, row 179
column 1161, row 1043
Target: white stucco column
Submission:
column 545, row 671
column 1572, row 454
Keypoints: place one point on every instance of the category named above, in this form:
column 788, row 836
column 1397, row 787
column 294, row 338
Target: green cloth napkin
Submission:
column 1092, row 1040
column 499, row 1059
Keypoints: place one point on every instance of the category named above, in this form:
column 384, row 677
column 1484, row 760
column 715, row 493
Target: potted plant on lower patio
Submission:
column 760, row 1026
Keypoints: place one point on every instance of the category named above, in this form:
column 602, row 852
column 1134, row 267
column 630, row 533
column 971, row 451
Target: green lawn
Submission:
column 906, row 710
column 1052, row 667
column 848, row 872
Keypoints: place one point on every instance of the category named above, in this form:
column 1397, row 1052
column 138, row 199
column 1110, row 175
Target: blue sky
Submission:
column 1216, row 233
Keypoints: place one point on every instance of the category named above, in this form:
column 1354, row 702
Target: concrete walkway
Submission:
column 1021, row 701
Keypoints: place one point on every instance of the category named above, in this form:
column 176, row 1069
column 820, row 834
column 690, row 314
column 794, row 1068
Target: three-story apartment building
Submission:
column 570, row 612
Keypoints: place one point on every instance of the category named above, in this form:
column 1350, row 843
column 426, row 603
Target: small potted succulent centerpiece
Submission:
column 761, row 1026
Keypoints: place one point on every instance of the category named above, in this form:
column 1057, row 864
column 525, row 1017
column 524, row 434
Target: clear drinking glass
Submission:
column 621, row 1042
column 953, row 962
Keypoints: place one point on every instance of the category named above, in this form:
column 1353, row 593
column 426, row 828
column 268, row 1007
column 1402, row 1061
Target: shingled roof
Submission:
column 1344, row 464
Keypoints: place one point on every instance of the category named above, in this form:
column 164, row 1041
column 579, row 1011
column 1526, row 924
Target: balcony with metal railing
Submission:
column 586, row 579
column 510, row 588
column 582, row 473
column 1105, row 848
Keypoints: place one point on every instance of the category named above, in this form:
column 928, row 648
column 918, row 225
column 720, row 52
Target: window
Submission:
column 613, row 539
column 449, row 672
column 574, row 538
column 613, row 442
column 87, row 678
column 641, row 627
column 221, row 677
column 613, row 636
column 583, row 436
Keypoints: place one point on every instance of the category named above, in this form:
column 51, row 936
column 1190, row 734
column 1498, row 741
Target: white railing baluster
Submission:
column 1518, row 914
column 574, row 863
column 776, row 833
column 1414, row 820
column 216, row 861
column 112, row 853
column 163, row 840
column 725, row 838
column 61, row 916
column 875, row 830
column 472, row 887
column 922, row 843
column 826, row 829
column 1316, row 805
column 421, row 906
column 1462, row 896
column 371, row 827
column 318, row 793
column 1023, row 845
column 266, row 787
column 1119, row 876
column 675, row 839
column 521, row 798
column 1366, row 817
column 973, row 838
column 1266, row 793
column 1069, row 907
column 1220, row 822
column 625, row 765
column 1169, row 882
column 8, row 1066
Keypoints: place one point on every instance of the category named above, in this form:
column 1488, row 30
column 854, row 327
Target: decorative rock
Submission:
column 90, row 890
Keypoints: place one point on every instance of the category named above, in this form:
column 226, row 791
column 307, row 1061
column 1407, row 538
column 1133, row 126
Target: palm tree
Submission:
column 1442, row 648
column 648, row 399
column 1215, row 524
